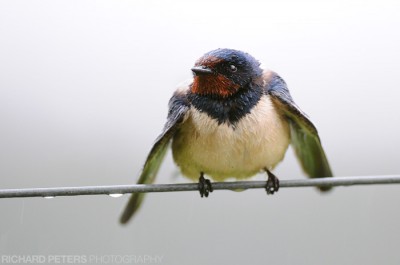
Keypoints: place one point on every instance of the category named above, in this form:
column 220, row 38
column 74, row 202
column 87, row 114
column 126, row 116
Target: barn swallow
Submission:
column 233, row 120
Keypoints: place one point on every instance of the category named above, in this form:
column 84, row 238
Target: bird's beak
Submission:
column 201, row 70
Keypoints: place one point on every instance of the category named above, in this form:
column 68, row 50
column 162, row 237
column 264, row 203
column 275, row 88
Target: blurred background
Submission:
column 84, row 87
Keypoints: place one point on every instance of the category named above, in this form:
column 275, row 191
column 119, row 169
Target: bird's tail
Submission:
column 323, row 170
column 147, row 176
column 133, row 205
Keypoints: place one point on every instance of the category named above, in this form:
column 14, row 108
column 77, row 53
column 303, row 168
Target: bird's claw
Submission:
column 205, row 187
column 272, row 185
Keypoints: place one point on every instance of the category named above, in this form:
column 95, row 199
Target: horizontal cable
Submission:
column 116, row 190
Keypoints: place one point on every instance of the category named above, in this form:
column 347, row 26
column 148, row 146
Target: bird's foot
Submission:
column 205, row 186
column 272, row 185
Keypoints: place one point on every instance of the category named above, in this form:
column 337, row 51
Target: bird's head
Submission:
column 223, row 72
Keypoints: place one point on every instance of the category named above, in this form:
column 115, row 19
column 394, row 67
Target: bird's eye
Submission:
column 233, row 68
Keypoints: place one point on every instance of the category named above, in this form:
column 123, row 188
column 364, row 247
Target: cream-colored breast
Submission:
column 259, row 140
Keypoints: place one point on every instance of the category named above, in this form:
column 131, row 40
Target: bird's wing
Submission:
column 304, row 135
column 178, row 108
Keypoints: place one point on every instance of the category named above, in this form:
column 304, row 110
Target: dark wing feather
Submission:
column 178, row 107
column 304, row 135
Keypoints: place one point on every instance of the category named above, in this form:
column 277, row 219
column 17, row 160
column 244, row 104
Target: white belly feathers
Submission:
column 259, row 140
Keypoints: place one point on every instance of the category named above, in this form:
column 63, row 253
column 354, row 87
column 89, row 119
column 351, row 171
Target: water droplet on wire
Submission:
column 115, row 195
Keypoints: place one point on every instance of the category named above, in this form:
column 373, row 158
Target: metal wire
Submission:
column 117, row 190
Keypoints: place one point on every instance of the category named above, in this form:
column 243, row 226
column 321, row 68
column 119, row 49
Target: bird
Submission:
column 232, row 120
